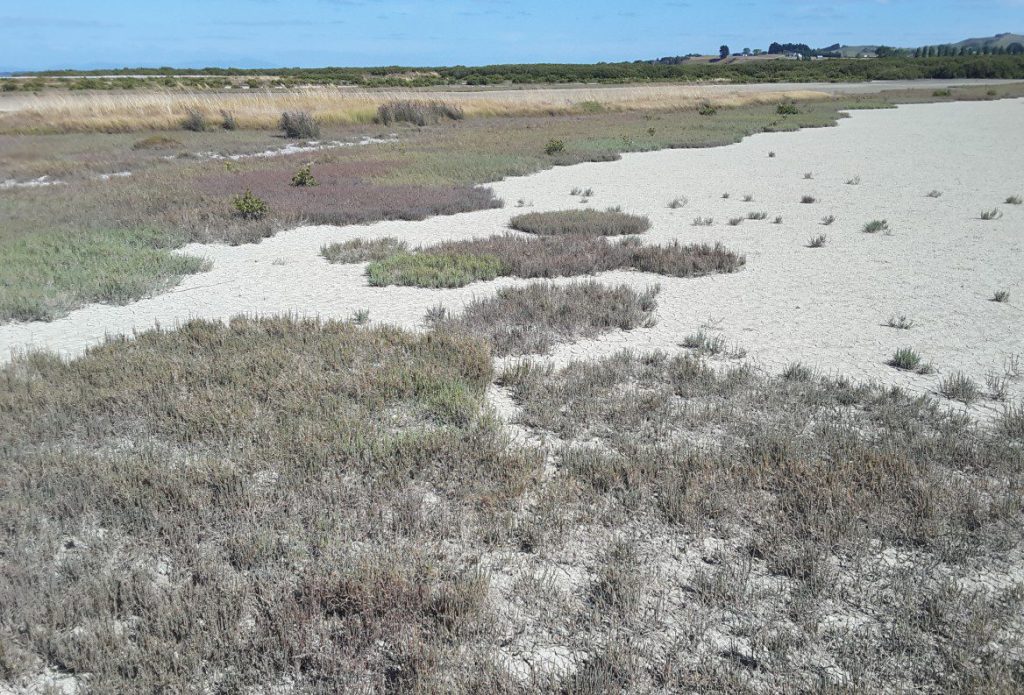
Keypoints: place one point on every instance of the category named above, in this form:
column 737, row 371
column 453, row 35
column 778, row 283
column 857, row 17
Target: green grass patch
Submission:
column 429, row 270
column 48, row 274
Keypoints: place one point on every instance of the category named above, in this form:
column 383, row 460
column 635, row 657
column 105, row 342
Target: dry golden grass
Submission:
column 162, row 110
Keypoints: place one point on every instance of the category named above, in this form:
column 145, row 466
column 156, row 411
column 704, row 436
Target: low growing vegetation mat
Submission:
column 576, row 222
column 458, row 263
column 326, row 507
column 521, row 320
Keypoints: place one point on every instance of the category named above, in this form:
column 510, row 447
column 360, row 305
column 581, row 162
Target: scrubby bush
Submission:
column 249, row 207
column 588, row 222
column 194, row 121
column 554, row 147
column 828, row 219
column 817, row 242
column 228, row 121
column 875, row 226
column 993, row 214
column 420, row 113
column 299, row 124
column 1001, row 296
column 808, row 199
column 787, row 109
column 706, row 108
column 304, row 177
column 757, row 215
column 1014, row 200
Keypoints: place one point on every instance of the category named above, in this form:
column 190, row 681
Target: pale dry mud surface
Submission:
column 823, row 307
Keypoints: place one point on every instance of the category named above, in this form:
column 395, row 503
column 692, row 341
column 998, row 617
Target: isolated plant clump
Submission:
column 194, row 121
column 299, row 124
column 228, row 121
column 907, row 359
column 304, row 177
column 706, row 108
column 587, row 222
column 250, row 207
column 554, row 147
column 959, row 387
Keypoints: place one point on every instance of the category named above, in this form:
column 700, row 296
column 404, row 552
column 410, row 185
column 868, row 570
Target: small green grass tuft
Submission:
column 934, row 193
column 901, row 322
column 1001, row 296
column 816, row 242
column 855, row 181
column 679, row 202
column 993, row 214
column 875, row 226
column 735, row 221
column 908, row 360
column 1014, row 200
column 828, row 219
column 703, row 221
column 808, row 199
column 757, row 215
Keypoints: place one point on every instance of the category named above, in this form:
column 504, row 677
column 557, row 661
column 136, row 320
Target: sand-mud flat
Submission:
column 939, row 266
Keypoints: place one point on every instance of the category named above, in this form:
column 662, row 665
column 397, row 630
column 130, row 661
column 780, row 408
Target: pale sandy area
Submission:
column 824, row 307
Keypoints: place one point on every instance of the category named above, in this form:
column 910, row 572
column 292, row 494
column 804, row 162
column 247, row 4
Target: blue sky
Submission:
column 269, row 33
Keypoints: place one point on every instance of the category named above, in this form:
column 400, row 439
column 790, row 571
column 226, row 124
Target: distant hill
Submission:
column 997, row 41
